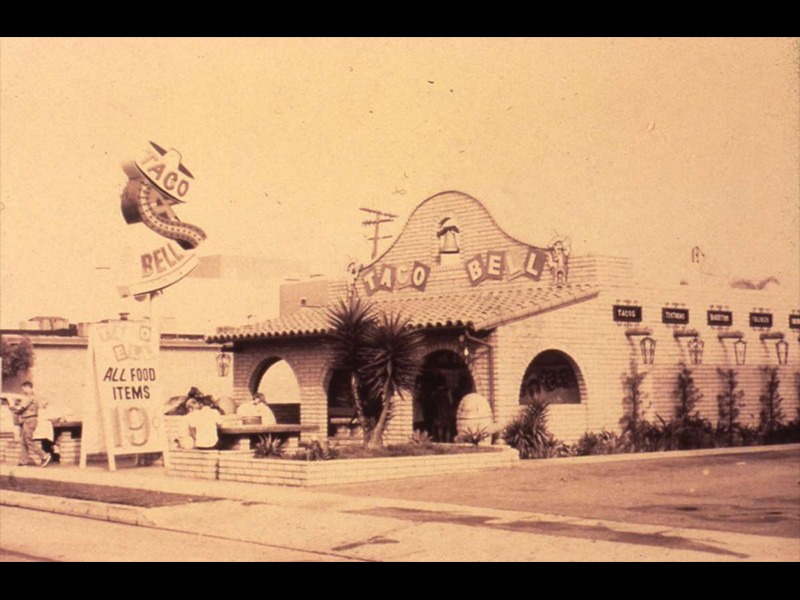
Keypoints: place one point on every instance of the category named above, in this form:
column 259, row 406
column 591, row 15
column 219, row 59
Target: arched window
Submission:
column 553, row 377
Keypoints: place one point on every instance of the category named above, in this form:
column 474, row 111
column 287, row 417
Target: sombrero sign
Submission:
column 155, row 184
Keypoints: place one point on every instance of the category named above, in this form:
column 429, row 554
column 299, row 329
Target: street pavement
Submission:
column 396, row 521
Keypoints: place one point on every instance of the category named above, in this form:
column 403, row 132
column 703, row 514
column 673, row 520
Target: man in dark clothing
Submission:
column 28, row 412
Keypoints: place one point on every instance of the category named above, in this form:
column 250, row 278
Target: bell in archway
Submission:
column 448, row 239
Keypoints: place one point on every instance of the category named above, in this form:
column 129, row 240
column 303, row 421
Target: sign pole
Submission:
column 153, row 307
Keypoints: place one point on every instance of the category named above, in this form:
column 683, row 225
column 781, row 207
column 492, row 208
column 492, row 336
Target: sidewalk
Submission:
column 375, row 528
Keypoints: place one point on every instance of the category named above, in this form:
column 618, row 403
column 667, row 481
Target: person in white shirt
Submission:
column 203, row 421
column 257, row 407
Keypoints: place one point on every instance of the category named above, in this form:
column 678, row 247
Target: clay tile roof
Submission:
column 477, row 310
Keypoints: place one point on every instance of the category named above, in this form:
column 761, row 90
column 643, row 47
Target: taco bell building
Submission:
column 514, row 321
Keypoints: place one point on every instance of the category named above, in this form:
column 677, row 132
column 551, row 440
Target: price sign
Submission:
column 125, row 414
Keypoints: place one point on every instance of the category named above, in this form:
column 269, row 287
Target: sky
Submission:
column 631, row 147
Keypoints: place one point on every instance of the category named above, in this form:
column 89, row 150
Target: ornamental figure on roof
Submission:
column 558, row 260
column 353, row 271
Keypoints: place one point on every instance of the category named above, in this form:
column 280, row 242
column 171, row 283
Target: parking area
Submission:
column 753, row 493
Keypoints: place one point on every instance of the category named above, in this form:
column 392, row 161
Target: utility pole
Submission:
column 379, row 217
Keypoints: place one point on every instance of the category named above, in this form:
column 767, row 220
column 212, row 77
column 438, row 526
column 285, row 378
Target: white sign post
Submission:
column 124, row 414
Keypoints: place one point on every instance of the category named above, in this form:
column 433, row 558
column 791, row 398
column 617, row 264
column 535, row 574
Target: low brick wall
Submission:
column 68, row 444
column 70, row 447
column 226, row 465
column 9, row 447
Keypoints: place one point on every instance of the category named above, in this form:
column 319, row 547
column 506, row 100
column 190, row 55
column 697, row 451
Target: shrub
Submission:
column 788, row 433
column 689, row 433
column 605, row 442
column 267, row 447
column 529, row 435
column 316, row 450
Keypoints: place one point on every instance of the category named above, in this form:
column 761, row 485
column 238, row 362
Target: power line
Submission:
column 379, row 218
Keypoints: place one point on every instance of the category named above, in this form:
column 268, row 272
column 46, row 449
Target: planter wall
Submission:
column 242, row 466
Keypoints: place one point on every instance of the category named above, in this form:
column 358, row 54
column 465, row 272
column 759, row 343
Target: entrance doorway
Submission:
column 443, row 381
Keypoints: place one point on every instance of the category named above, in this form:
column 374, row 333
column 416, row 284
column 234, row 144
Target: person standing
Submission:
column 28, row 412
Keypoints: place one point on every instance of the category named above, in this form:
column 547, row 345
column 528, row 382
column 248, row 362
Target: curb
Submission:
column 635, row 456
column 87, row 509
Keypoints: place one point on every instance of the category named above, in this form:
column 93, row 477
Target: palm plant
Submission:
column 350, row 320
column 390, row 365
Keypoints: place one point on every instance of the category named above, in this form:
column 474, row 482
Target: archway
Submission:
column 275, row 379
column 443, row 381
column 342, row 419
column 552, row 376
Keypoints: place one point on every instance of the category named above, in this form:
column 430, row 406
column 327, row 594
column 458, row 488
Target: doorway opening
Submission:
column 443, row 381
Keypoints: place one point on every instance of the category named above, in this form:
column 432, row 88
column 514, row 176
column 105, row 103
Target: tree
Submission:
column 379, row 352
column 18, row 357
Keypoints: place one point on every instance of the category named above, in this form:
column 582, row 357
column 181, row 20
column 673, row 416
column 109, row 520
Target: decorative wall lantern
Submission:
column 696, row 346
column 740, row 349
column 648, row 346
column 782, row 348
column 739, row 346
column 223, row 363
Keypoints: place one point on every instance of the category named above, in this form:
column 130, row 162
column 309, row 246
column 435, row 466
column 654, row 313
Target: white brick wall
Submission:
column 602, row 351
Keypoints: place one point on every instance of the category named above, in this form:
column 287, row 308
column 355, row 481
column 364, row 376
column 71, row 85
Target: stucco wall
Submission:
column 61, row 371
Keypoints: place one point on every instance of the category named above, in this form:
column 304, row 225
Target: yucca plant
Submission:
column 528, row 432
column 420, row 438
column 473, row 436
column 317, row 450
column 267, row 446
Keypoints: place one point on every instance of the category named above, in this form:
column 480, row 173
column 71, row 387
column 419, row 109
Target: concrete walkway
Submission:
column 374, row 528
